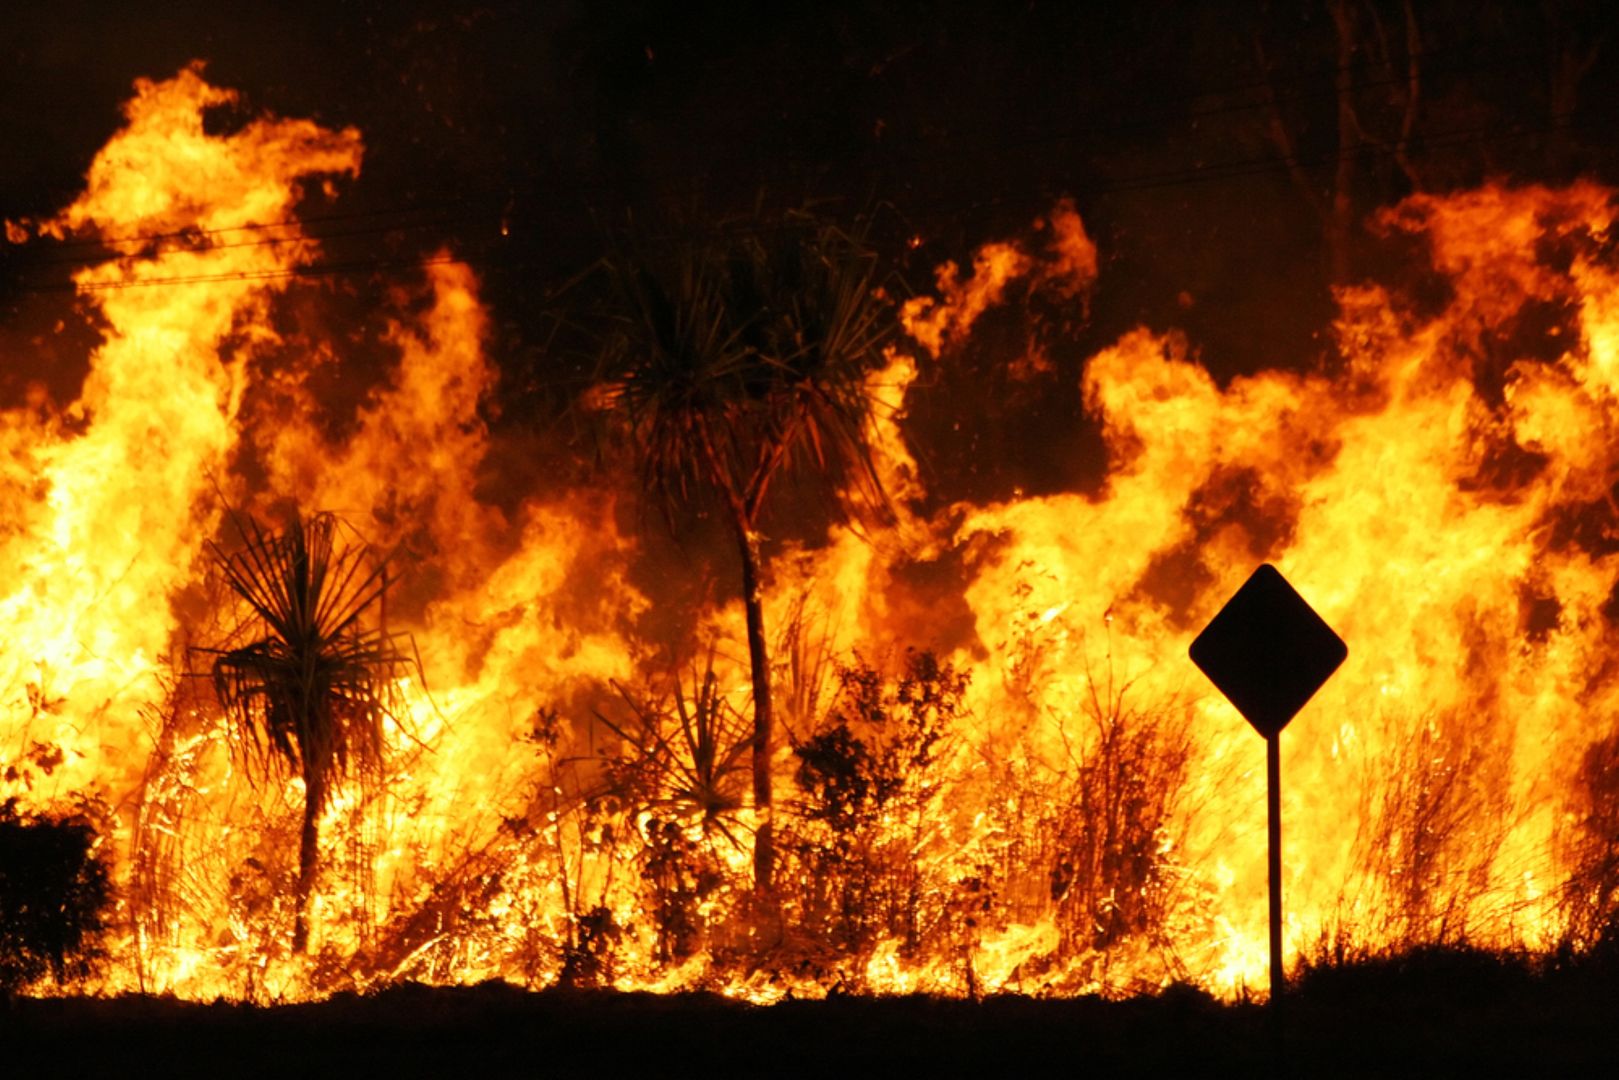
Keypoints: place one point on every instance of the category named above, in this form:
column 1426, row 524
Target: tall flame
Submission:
column 110, row 506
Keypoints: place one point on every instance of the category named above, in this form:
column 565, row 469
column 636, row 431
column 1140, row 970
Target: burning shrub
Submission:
column 1115, row 813
column 1433, row 826
column 588, row 958
column 680, row 771
column 1431, row 819
column 681, row 871
column 503, row 895
column 1088, row 821
column 868, row 783
column 1592, row 850
column 53, row 893
column 682, row 754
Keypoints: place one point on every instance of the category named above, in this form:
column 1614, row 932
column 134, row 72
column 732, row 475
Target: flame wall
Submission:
column 1442, row 494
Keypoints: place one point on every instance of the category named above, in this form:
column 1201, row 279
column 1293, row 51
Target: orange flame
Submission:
column 1087, row 816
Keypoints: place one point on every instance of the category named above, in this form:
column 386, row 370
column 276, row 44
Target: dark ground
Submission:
column 1453, row 1013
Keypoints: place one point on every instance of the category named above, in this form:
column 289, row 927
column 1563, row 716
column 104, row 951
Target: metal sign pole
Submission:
column 1268, row 652
column 1273, row 806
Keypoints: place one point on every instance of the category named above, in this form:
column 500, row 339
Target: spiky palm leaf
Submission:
column 743, row 357
column 823, row 329
column 691, row 747
column 678, row 369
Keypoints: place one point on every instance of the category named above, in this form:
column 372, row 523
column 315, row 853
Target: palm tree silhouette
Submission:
column 311, row 690
column 737, row 358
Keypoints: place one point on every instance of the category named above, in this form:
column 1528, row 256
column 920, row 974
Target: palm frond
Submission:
column 314, row 686
column 738, row 357
column 689, row 748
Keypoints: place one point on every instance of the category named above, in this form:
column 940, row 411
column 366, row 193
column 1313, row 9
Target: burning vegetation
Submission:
column 395, row 725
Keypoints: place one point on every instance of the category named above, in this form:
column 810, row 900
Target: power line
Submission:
column 1173, row 178
column 359, row 266
column 286, row 223
column 274, row 241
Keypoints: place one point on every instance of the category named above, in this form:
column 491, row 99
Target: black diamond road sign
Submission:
column 1268, row 651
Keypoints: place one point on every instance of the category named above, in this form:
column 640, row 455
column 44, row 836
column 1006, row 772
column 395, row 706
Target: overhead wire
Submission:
column 273, row 241
column 1095, row 128
column 499, row 209
column 1172, row 178
column 284, row 223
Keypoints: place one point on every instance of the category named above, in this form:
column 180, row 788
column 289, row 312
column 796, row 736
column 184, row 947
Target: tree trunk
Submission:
column 764, row 846
column 308, row 853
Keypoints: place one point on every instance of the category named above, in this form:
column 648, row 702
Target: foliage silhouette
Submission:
column 736, row 359
column 312, row 689
column 865, row 816
column 1110, row 879
column 1435, row 816
column 681, row 753
column 53, row 897
column 680, row 771
column 1591, row 893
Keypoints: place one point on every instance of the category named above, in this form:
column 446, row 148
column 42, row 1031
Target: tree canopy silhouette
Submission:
column 737, row 357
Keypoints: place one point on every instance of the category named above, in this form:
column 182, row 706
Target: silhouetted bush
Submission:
column 865, row 780
column 588, row 958
column 53, row 889
column 680, row 771
column 1432, row 972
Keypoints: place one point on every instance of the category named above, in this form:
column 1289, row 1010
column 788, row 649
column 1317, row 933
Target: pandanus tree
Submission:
column 736, row 359
column 685, row 748
column 314, row 683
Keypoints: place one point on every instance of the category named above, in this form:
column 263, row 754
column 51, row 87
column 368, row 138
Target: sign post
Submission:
column 1268, row 652
column 1273, row 832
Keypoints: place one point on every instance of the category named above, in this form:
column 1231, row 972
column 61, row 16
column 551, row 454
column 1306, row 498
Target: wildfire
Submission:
column 1046, row 801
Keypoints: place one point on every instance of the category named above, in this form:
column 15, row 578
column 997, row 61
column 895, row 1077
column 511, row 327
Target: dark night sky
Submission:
column 959, row 121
